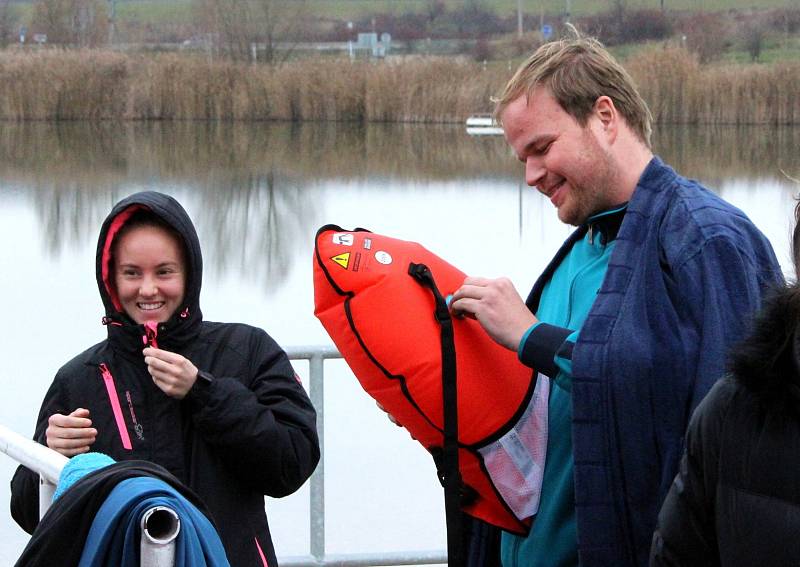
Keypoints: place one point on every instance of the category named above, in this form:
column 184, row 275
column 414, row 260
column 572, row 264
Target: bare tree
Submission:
column 8, row 21
column 227, row 23
column 281, row 23
column 71, row 22
column 618, row 9
column 434, row 9
column 238, row 26
column 754, row 40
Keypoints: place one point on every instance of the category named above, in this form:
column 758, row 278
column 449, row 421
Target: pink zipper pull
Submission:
column 115, row 407
column 150, row 334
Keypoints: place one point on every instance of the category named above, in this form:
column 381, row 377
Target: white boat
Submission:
column 483, row 125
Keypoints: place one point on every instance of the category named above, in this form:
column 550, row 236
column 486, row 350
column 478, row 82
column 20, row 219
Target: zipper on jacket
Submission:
column 261, row 553
column 137, row 427
column 115, row 407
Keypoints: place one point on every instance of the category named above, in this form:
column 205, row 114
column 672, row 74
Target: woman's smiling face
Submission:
column 149, row 273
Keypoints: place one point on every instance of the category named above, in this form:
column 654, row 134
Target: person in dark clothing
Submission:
column 631, row 320
column 216, row 404
column 735, row 501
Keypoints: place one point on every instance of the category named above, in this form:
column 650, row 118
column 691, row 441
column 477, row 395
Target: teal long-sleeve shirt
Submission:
column 547, row 346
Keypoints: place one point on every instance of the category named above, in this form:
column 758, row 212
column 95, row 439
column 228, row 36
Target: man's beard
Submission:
column 593, row 196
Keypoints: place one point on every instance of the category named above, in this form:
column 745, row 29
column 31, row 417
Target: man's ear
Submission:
column 607, row 116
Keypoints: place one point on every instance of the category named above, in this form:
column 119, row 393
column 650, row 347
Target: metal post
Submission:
column 541, row 16
column 46, row 491
column 45, row 461
column 350, row 41
column 160, row 527
column 112, row 21
column 519, row 18
column 317, row 487
column 38, row 458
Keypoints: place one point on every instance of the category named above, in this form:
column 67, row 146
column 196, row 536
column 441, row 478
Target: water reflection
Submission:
column 257, row 193
column 718, row 153
column 253, row 183
column 97, row 157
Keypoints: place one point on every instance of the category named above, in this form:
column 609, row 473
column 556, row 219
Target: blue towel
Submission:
column 114, row 536
column 77, row 468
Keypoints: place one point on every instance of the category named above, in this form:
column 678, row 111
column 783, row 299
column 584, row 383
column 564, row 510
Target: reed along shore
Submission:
column 52, row 84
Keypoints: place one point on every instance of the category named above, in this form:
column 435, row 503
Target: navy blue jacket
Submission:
column 686, row 274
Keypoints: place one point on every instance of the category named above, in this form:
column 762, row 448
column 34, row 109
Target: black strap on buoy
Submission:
column 449, row 473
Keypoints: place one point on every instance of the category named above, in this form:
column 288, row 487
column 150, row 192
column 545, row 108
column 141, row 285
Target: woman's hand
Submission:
column 172, row 373
column 71, row 434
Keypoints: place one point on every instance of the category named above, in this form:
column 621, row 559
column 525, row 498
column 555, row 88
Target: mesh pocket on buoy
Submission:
column 515, row 462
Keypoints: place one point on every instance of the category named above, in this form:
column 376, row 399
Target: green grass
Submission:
column 22, row 11
column 774, row 49
column 154, row 11
column 178, row 10
column 361, row 8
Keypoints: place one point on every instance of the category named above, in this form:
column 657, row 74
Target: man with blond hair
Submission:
column 632, row 318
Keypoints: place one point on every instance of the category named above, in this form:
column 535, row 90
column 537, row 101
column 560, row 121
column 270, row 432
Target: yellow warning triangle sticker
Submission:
column 342, row 259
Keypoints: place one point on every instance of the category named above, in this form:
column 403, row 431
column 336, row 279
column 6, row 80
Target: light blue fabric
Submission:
column 77, row 468
column 566, row 301
column 114, row 535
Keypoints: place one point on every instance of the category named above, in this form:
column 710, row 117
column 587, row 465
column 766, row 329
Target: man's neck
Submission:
column 631, row 157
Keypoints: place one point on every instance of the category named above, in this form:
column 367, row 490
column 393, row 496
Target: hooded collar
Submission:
column 767, row 362
column 124, row 333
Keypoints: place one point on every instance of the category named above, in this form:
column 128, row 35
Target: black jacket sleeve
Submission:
column 264, row 426
column 25, row 483
column 686, row 531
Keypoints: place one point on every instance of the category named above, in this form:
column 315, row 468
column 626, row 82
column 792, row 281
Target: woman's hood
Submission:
column 171, row 212
column 768, row 360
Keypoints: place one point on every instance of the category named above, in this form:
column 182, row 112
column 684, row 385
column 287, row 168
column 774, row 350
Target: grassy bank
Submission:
column 150, row 10
column 101, row 85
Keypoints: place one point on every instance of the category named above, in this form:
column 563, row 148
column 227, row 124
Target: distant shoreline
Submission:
column 54, row 84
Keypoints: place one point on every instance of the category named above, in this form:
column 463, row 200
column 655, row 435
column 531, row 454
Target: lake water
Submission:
column 257, row 194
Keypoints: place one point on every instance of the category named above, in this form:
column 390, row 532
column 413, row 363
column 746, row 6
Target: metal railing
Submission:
column 160, row 524
column 316, row 356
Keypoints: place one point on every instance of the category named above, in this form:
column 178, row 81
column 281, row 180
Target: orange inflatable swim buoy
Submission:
column 381, row 301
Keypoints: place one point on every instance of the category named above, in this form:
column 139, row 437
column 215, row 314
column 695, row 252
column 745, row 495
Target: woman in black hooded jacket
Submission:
column 216, row 404
column 736, row 499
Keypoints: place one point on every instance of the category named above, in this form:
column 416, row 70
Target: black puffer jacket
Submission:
column 250, row 432
column 736, row 500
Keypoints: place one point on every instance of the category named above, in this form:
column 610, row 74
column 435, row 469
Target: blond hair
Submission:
column 578, row 71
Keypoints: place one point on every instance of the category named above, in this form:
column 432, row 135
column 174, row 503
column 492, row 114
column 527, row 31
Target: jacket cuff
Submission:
column 539, row 347
column 199, row 392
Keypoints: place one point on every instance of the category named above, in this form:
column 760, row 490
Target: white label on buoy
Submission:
column 344, row 238
column 383, row 257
